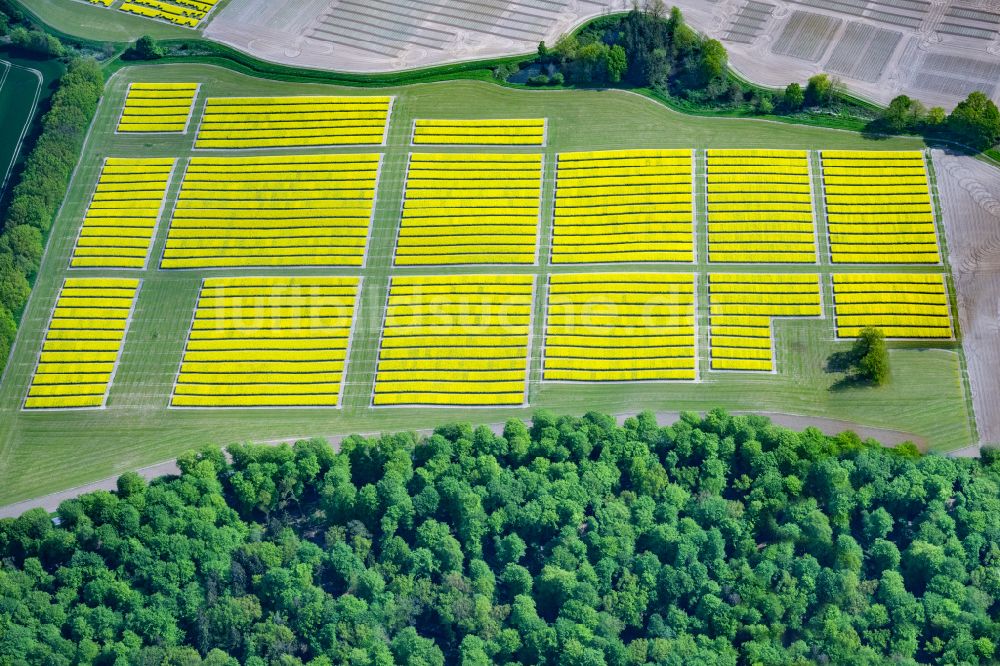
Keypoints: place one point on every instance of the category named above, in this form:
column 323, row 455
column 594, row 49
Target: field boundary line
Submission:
column 359, row 289
column 45, row 337
column 121, row 346
column 86, row 212
column 162, row 214
column 27, row 123
column 381, row 334
column 371, row 216
column 531, row 340
column 184, row 349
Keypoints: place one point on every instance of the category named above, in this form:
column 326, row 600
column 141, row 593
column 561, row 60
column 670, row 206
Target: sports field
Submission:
column 42, row 451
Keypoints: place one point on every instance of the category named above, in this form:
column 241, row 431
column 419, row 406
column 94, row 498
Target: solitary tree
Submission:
column 872, row 356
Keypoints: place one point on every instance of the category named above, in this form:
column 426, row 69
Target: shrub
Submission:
column 144, row 48
column 36, row 41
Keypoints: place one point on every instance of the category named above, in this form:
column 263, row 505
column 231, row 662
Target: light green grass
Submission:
column 43, row 452
column 98, row 23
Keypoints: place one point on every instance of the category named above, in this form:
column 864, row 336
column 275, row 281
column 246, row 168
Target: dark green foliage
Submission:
column 505, row 70
column 144, row 48
column 8, row 331
column 819, row 91
column 867, row 361
column 717, row 540
column 872, row 356
column 763, row 103
column 42, row 184
column 904, row 114
column 793, row 98
column 37, row 42
column 617, row 63
column 976, row 121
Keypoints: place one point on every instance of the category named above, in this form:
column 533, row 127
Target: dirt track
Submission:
column 970, row 198
column 829, row 426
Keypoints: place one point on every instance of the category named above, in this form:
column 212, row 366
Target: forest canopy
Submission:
column 716, row 540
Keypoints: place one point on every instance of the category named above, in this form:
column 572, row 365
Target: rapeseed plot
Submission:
column 279, row 122
column 470, row 209
column 879, row 208
column 457, row 340
column 119, row 224
column 502, row 132
column 760, row 207
column 187, row 13
column 303, row 210
column 623, row 206
column 900, row 305
column 741, row 308
column 620, row 327
column 82, row 344
column 157, row 107
column 268, row 342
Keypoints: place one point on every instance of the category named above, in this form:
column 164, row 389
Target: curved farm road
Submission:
column 829, row 426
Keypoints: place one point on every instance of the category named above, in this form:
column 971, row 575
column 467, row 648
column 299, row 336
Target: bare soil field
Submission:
column 385, row 35
column 935, row 50
column 970, row 199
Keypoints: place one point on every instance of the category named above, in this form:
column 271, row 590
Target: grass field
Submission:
column 24, row 88
column 43, row 452
column 98, row 23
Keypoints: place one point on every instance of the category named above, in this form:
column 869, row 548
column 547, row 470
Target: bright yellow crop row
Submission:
column 458, row 340
column 156, row 108
column 469, row 217
column 287, row 343
column 634, row 155
column 280, row 121
column 603, row 198
column 597, row 325
column 901, row 305
column 525, row 131
column 884, row 258
column 265, row 221
column 742, row 364
column 82, row 343
column 887, row 193
column 118, row 226
column 469, row 399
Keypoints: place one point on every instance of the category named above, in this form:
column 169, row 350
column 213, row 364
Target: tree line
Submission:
column 572, row 541
column 41, row 186
column 653, row 48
